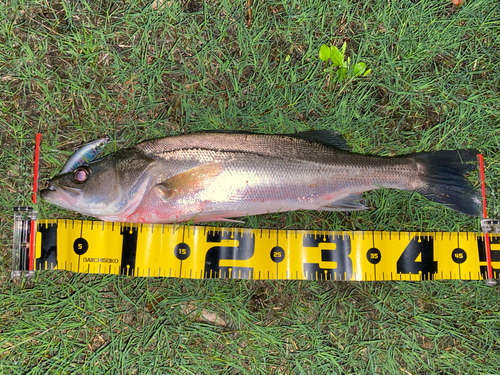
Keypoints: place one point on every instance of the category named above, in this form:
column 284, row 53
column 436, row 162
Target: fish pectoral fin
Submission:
column 190, row 181
column 348, row 203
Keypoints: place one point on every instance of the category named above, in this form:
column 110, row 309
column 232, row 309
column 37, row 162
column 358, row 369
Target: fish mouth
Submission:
column 44, row 193
column 49, row 187
column 61, row 194
column 47, row 194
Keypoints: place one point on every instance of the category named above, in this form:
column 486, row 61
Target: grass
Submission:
column 76, row 70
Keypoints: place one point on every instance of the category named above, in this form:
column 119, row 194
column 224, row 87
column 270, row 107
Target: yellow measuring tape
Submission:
column 206, row 252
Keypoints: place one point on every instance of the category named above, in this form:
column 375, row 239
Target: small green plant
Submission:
column 340, row 69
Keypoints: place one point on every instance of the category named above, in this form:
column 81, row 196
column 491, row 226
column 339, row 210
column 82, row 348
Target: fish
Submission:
column 216, row 176
column 85, row 154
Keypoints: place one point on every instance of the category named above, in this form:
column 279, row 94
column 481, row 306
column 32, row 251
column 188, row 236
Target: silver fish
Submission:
column 85, row 154
column 216, row 176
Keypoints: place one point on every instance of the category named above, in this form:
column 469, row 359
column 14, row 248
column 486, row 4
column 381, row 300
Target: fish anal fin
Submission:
column 190, row 181
column 218, row 216
column 207, row 219
column 348, row 203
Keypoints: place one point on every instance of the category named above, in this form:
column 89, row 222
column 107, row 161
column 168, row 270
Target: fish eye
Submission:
column 81, row 174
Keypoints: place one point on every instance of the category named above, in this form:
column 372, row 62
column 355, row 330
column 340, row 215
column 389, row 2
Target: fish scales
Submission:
column 285, row 147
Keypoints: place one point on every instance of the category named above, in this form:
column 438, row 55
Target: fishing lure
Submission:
column 85, row 154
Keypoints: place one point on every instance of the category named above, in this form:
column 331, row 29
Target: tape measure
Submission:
column 198, row 252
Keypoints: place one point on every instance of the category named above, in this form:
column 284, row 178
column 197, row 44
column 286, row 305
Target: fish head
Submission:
column 92, row 189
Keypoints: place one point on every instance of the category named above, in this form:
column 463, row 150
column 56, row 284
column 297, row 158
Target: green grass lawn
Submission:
column 76, row 70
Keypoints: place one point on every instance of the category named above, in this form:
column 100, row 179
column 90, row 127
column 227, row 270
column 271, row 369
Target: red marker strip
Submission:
column 485, row 216
column 35, row 191
column 37, row 157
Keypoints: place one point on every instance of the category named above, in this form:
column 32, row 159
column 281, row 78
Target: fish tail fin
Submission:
column 445, row 182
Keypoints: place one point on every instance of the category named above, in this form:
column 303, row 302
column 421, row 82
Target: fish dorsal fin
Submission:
column 223, row 131
column 325, row 137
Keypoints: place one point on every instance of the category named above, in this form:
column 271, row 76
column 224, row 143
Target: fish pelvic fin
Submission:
column 189, row 182
column 443, row 174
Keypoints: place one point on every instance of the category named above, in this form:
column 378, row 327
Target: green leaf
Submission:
column 358, row 69
column 341, row 74
column 324, row 52
column 347, row 63
column 336, row 56
column 343, row 48
column 367, row 72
